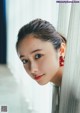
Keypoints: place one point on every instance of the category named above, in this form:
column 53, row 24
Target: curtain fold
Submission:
column 70, row 91
column 63, row 18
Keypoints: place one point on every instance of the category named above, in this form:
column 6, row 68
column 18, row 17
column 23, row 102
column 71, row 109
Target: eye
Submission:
column 24, row 61
column 37, row 56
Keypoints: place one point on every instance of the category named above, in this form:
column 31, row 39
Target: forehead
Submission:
column 31, row 43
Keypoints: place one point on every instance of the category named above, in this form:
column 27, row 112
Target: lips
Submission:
column 38, row 77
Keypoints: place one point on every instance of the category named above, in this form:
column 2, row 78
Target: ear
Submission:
column 62, row 49
column 62, row 54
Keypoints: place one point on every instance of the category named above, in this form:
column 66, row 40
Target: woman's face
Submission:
column 39, row 59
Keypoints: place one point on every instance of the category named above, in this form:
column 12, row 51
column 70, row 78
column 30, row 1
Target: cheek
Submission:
column 49, row 64
column 26, row 69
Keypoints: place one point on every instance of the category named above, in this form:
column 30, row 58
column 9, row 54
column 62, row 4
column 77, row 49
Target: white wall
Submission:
column 19, row 13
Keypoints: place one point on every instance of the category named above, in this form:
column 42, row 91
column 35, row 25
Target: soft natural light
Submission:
column 35, row 98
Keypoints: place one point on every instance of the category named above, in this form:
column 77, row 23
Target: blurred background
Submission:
column 18, row 92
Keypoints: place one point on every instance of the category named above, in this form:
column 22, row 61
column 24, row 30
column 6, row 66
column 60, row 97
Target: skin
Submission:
column 39, row 58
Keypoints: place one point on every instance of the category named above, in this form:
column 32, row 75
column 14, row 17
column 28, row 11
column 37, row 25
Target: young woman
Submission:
column 42, row 51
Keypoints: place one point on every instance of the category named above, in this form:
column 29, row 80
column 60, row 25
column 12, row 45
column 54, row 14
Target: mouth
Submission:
column 37, row 77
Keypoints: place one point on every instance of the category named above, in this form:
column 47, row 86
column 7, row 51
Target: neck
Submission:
column 57, row 79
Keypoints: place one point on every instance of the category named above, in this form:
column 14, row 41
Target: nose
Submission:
column 33, row 68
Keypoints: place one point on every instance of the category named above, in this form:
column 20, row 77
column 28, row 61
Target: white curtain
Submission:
column 63, row 18
column 70, row 91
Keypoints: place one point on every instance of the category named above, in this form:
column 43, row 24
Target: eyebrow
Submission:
column 36, row 50
column 21, row 56
column 31, row 52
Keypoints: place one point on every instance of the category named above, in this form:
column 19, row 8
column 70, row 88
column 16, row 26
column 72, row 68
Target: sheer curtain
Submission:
column 70, row 91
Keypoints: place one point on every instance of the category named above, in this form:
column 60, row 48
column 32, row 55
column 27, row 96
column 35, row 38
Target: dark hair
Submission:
column 43, row 30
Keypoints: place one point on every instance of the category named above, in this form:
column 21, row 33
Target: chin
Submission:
column 42, row 83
